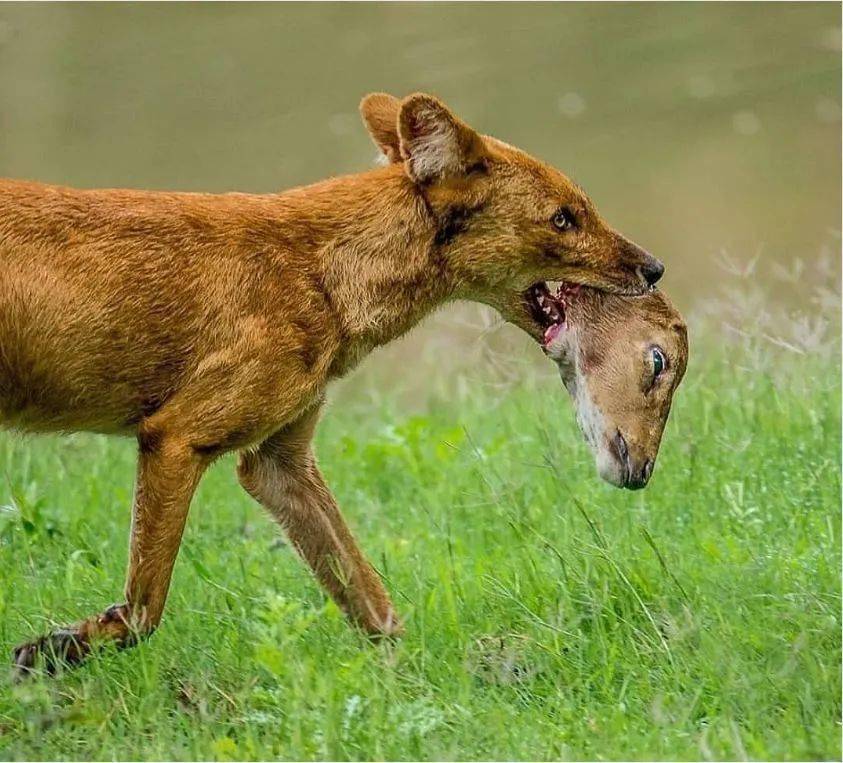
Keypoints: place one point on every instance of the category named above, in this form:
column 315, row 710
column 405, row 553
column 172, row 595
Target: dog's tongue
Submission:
column 551, row 332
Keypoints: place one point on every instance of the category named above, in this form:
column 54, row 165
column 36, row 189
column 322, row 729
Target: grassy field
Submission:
column 548, row 615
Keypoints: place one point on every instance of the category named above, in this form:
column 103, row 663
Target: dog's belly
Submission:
column 39, row 392
column 70, row 362
column 42, row 392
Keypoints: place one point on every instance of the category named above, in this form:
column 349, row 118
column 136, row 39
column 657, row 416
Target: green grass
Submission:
column 548, row 615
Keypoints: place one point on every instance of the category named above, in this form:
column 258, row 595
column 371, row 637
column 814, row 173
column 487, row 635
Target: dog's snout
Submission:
column 648, row 268
column 652, row 270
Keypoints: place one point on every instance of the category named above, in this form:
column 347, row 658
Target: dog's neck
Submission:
column 380, row 263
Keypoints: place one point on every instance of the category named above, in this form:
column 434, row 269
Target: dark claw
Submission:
column 24, row 661
column 62, row 647
column 116, row 613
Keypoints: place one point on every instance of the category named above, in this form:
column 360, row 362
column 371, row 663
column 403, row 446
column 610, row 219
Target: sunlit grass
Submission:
column 548, row 615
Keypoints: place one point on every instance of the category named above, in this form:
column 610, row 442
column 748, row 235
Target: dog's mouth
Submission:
column 546, row 303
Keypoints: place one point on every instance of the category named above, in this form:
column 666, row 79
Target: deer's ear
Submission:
column 380, row 115
column 434, row 143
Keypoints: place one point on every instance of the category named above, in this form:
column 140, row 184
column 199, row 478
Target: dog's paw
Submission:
column 64, row 647
column 390, row 628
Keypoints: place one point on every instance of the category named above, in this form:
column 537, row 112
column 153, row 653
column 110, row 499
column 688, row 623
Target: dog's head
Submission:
column 506, row 222
column 621, row 359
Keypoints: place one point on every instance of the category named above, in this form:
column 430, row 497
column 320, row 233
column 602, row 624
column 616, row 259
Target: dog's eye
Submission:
column 659, row 362
column 563, row 219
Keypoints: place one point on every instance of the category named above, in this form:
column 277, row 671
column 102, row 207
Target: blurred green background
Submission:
column 709, row 133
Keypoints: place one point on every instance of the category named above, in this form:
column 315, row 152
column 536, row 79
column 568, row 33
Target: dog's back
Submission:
column 80, row 350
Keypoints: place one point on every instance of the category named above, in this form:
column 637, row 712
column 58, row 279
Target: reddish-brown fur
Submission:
column 210, row 323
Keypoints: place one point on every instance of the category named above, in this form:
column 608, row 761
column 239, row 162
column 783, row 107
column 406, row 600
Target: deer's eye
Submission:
column 563, row 219
column 659, row 362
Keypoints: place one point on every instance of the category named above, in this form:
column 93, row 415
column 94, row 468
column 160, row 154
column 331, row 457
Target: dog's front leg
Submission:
column 283, row 476
column 168, row 471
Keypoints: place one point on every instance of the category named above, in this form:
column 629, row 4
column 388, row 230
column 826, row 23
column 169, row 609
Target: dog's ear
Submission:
column 434, row 143
column 380, row 115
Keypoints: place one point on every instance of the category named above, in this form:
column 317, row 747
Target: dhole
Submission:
column 203, row 323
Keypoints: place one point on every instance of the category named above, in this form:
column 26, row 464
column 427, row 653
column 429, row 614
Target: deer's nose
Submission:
column 652, row 270
column 636, row 471
column 639, row 478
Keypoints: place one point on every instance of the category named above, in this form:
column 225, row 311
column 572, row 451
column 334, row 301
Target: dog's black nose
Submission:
column 652, row 270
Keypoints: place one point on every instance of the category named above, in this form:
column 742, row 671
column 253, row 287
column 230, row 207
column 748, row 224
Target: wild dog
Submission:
column 621, row 360
column 204, row 324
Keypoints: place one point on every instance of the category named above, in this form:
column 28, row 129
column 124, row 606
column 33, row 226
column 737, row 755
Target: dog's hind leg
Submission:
column 168, row 471
column 283, row 476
